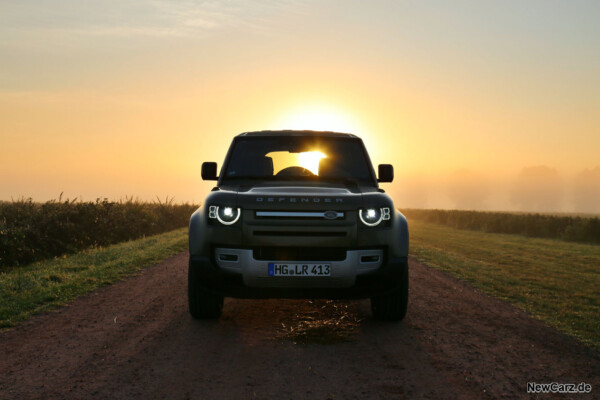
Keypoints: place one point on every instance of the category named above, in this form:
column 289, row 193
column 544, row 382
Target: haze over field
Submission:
column 482, row 105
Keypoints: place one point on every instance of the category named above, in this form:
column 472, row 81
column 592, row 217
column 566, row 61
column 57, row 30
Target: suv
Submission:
column 298, row 214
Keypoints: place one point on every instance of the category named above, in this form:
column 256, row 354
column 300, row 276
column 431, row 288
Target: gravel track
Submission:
column 136, row 340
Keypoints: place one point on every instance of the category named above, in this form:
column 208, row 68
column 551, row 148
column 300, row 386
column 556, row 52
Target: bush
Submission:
column 576, row 229
column 32, row 231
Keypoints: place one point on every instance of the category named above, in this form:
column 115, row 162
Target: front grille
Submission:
column 330, row 219
column 299, row 254
column 311, row 215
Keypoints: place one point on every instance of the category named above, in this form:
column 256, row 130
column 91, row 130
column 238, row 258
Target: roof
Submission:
column 298, row 133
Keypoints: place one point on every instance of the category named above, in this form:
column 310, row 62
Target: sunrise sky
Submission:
column 485, row 105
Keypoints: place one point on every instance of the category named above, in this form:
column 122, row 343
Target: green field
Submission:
column 46, row 285
column 569, row 227
column 554, row 280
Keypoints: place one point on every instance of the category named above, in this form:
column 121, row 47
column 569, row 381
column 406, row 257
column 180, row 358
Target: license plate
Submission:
column 277, row 269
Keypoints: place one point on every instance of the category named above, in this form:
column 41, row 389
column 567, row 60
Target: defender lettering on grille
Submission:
column 299, row 200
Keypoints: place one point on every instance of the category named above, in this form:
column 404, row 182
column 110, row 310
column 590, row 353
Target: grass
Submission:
column 554, row 280
column 45, row 285
column 569, row 228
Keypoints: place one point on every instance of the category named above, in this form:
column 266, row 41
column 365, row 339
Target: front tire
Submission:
column 392, row 306
column 203, row 303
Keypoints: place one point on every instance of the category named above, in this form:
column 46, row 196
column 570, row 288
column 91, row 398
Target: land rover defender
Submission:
column 298, row 214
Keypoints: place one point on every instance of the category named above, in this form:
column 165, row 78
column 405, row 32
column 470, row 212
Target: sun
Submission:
column 318, row 118
column 310, row 160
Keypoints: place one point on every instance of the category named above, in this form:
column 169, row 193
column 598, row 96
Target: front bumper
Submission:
column 248, row 278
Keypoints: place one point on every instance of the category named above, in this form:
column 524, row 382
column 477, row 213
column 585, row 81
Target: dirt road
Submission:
column 136, row 340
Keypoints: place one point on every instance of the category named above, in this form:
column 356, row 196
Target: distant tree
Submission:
column 467, row 190
column 538, row 188
column 586, row 191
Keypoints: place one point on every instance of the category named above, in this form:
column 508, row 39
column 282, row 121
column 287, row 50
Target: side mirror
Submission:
column 386, row 173
column 209, row 171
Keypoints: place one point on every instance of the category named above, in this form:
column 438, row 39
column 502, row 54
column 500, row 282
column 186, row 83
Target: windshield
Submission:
column 296, row 157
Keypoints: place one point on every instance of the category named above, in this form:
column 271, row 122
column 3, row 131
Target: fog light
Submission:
column 369, row 259
column 228, row 257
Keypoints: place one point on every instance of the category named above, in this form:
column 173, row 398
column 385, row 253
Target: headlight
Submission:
column 225, row 215
column 374, row 216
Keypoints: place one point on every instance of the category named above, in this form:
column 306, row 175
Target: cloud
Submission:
column 130, row 18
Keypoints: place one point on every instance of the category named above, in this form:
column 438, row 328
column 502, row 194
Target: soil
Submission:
column 136, row 340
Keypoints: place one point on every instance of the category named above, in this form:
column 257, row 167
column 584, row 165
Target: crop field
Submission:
column 31, row 231
column 575, row 228
column 554, row 280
